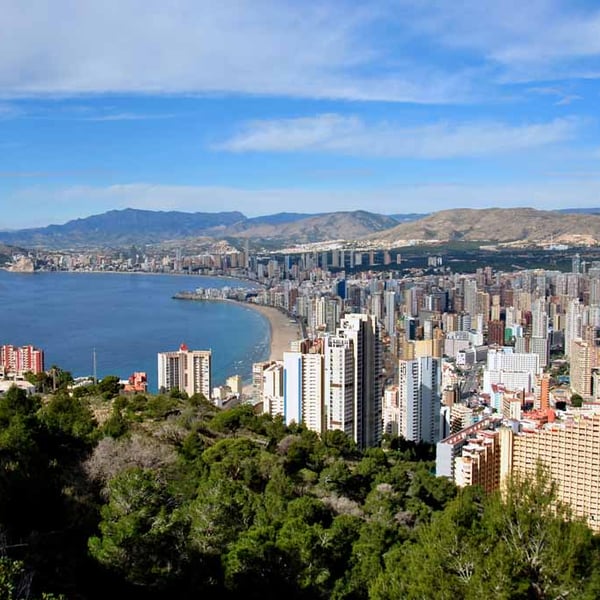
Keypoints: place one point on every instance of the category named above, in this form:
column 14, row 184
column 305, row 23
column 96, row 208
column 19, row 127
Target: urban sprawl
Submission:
column 501, row 370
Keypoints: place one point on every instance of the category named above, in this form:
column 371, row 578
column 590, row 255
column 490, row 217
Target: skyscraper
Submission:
column 419, row 399
column 303, row 390
column 365, row 333
column 185, row 369
column 339, row 383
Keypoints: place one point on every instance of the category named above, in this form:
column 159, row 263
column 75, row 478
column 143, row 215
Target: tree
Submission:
column 109, row 386
column 522, row 544
column 233, row 419
column 142, row 535
column 576, row 400
column 69, row 415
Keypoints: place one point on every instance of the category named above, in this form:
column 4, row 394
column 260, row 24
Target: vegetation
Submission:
column 170, row 497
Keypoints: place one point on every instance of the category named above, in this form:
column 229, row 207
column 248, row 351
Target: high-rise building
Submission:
column 303, row 390
column 581, row 368
column 272, row 389
column 479, row 463
column 339, row 383
column 16, row 361
column 496, row 333
column 570, row 451
column 365, row 333
column 390, row 311
column 185, row 369
column 419, row 399
column 516, row 371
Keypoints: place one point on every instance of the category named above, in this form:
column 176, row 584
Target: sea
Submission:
column 125, row 320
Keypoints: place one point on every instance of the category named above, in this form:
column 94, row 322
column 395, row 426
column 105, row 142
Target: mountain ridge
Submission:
column 120, row 228
column 496, row 225
column 135, row 226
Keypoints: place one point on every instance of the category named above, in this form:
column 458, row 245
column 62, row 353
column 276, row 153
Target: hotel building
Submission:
column 16, row 361
column 185, row 369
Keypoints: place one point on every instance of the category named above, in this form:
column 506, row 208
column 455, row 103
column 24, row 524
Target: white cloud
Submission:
column 527, row 41
column 400, row 51
column 351, row 136
column 268, row 47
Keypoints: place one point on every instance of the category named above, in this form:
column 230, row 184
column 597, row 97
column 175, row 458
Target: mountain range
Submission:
column 132, row 226
column 119, row 228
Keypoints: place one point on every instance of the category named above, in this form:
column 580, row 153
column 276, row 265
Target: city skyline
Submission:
column 389, row 108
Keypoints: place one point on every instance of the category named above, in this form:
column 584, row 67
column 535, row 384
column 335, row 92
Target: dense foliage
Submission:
column 171, row 497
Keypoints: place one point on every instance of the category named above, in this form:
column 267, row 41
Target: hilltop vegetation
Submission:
column 171, row 497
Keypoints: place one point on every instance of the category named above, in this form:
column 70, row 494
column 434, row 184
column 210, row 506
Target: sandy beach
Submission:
column 283, row 329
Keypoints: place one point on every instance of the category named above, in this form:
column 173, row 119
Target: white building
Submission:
column 339, row 383
column 272, row 389
column 303, row 390
column 419, row 399
column 516, row 371
column 187, row 370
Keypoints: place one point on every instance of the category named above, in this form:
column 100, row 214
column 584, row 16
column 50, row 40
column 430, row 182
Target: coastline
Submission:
column 170, row 274
column 283, row 332
column 283, row 329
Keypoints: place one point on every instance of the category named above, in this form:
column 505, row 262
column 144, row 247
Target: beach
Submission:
column 283, row 332
column 283, row 329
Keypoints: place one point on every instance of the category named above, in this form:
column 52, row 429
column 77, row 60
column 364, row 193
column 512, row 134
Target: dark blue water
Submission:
column 128, row 319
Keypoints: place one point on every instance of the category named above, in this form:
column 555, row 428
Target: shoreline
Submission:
column 282, row 334
column 282, row 331
column 170, row 274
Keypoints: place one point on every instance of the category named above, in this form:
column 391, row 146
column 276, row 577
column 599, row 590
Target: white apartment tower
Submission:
column 272, row 389
column 303, row 391
column 365, row 333
column 573, row 324
column 419, row 399
column 185, row 369
column 339, row 383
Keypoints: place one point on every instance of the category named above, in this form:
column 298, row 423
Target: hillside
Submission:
column 171, row 497
column 497, row 224
column 118, row 228
column 315, row 228
column 122, row 227
column 7, row 253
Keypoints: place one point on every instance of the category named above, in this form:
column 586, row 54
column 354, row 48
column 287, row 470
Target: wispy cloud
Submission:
column 539, row 40
column 562, row 98
column 129, row 116
column 351, row 136
column 335, row 49
column 269, row 47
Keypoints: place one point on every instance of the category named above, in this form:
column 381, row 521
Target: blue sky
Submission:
column 265, row 106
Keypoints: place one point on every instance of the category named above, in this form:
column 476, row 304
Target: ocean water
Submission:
column 128, row 319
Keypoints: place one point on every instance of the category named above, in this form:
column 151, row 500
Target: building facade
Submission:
column 419, row 399
column 186, row 370
column 15, row 361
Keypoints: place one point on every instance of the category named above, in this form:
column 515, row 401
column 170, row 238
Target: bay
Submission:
column 128, row 319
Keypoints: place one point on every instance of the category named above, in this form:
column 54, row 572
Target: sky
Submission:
column 264, row 106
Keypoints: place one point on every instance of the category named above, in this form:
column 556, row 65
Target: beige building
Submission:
column 479, row 463
column 185, row 369
column 570, row 450
column 581, row 368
